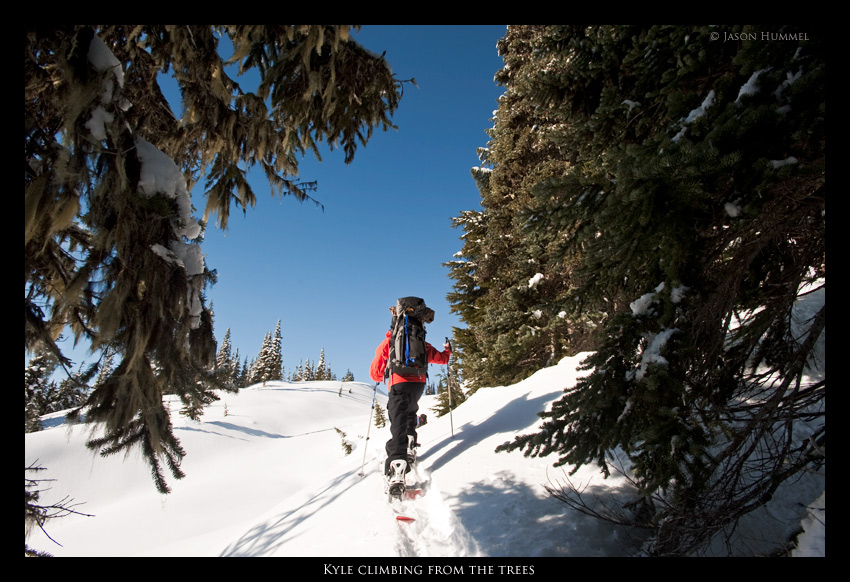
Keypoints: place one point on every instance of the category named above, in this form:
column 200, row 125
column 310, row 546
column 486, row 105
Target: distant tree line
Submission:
column 43, row 394
column 267, row 366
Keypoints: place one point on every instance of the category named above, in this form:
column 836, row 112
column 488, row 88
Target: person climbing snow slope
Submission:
column 405, row 379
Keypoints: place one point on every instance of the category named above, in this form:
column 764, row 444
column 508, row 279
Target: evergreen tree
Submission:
column 321, row 372
column 261, row 370
column 504, row 281
column 38, row 389
column 450, row 394
column 194, row 408
column 244, row 374
column 227, row 364
column 380, row 416
column 347, row 447
column 250, row 372
column 268, row 366
column 275, row 356
column 469, row 298
column 106, row 368
column 236, row 371
column 224, row 356
column 349, row 377
column 681, row 206
column 42, row 395
column 72, row 392
column 298, row 373
column 111, row 247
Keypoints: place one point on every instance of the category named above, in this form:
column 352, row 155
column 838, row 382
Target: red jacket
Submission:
column 382, row 353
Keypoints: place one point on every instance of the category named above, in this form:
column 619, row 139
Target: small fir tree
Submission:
column 223, row 357
column 275, row 356
column 260, row 370
column 380, row 416
column 227, row 364
column 346, row 445
column 298, row 373
column 322, row 373
column 450, row 395
column 39, row 389
column 43, row 395
column 236, row 371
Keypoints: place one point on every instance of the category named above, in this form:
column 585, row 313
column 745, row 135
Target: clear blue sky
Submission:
column 330, row 276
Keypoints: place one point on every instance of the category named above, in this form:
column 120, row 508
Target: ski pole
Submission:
column 449, row 387
column 368, row 430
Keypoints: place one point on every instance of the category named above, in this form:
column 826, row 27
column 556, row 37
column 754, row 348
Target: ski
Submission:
column 399, row 506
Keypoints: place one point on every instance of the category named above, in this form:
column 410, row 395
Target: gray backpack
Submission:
column 408, row 355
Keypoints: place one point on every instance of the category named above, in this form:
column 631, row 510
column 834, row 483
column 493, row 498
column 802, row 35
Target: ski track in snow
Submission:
column 435, row 531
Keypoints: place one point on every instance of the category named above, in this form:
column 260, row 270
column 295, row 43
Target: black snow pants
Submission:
column 402, row 407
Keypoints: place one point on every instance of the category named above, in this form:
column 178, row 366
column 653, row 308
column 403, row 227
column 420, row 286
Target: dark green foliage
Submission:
column 269, row 363
column 450, row 394
column 112, row 252
column 380, row 416
column 323, row 371
column 448, row 398
column 669, row 190
column 38, row 390
column 227, row 364
column 347, row 447
column 43, row 395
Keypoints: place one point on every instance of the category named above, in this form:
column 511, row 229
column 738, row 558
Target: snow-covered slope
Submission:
column 267, row 475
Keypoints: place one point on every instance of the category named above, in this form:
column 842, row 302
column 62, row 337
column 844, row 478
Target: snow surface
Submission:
column 267, row 475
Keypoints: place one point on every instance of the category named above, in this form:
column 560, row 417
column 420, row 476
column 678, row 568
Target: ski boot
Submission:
column 395, row 480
